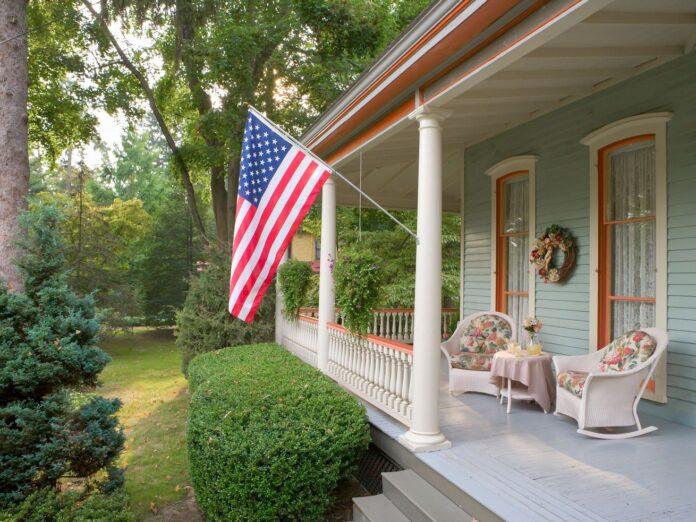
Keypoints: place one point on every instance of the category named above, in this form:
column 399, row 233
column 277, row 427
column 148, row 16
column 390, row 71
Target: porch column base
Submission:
column 424, row 442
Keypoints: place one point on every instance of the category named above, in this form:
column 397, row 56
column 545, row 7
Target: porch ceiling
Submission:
column 625, row 38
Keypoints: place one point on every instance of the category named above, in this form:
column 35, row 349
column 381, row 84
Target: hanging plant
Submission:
column 358, row 281
column 294, row 278
column 545, row 245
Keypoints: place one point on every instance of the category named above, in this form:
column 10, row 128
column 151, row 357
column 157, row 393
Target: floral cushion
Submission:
column 574, row 382
column 480, row 362
column 485, row 335
column 627, row 352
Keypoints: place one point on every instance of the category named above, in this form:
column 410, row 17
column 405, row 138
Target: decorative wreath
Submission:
column 542, row 254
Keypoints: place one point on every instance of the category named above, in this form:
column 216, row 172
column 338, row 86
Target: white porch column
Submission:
column 279, row 305
column 425, row 434
column 327, row 297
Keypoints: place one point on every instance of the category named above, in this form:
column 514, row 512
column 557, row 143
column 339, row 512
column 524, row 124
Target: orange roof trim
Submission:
column 458, row 37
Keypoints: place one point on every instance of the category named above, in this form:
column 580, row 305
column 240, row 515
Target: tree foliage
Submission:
column 289, row 58
column 49, row 351
column 68, row 81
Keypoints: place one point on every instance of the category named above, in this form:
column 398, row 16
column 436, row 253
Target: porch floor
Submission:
column 528, row 466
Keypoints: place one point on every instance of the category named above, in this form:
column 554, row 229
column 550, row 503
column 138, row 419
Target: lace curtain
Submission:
column 517, row 270
column 631, row 193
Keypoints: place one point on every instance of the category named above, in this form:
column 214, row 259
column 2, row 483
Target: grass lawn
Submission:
column 145, row 374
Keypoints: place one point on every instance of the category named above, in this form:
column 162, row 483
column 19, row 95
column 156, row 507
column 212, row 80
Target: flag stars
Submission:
column 263, row 150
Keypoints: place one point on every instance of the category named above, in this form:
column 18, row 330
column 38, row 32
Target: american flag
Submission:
column 278, row 182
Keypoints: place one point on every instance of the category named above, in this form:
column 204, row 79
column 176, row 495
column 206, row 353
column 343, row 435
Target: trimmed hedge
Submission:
column 269, row 437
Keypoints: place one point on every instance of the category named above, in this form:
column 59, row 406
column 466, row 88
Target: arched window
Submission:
column 628, row 231
column 512, row 231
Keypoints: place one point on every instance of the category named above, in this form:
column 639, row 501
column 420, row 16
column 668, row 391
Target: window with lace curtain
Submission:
column 627, row 236
column 512, row 245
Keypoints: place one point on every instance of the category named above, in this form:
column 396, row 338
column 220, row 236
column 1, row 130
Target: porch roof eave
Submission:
column 550, row 57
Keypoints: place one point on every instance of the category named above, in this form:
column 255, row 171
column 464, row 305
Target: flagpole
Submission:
column 334, row 171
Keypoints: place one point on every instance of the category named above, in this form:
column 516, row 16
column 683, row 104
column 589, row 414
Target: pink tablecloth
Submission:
column 532, row 371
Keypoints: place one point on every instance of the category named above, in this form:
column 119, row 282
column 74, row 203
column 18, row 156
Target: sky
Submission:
column 110, row 129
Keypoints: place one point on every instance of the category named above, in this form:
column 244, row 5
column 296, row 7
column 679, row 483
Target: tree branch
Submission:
column 178, row 158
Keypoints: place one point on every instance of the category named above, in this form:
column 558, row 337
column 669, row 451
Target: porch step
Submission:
column 407, row 497
column 418, row 500
column 377, row 508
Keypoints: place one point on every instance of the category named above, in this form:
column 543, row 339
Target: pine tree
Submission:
column 50, row 427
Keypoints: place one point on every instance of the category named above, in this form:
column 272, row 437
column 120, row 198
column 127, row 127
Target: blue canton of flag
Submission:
column 263, row 151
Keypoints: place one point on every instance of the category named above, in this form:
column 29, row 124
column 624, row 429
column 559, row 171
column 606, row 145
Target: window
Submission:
column 513, row 225
column 628, row 232
column 626, row 237
column 512, row 246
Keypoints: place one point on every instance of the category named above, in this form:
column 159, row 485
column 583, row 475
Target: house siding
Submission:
column 562, row 197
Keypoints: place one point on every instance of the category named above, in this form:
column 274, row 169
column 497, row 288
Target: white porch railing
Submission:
column 396, row 323
column 376, row 369
column 300, row 337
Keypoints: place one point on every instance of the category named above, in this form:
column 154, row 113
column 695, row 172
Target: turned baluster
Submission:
column 399, row 381
column 391, row 385
column 371, row 369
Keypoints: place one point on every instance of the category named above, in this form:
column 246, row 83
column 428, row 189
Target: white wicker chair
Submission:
column 462, row 381
column 608, row 400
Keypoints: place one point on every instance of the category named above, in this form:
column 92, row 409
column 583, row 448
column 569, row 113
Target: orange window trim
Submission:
column 605, row 253
column 501, row 243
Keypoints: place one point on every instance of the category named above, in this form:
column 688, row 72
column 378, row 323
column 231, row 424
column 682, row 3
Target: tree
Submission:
column 103, row 244
column 14, row 145
column 289, row 58
column 49, row 428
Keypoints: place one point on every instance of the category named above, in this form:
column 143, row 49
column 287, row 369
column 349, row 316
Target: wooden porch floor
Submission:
column 527, row 466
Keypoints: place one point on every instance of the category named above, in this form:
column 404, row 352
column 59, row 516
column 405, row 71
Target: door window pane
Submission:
column 518, row 309
column 633, row 259
column 515, row 210
column 517, row 264
column 631, row 185
column 631, row 315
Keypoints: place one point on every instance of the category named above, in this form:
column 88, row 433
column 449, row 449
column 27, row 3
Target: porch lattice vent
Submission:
column 374, row 463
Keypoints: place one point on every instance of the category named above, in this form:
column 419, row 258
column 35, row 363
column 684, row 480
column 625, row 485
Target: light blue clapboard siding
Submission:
column 562, row 197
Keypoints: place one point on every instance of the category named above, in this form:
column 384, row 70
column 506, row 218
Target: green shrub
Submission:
column 294, row 278
column 204, row 324
column 49, row 353
column 47, row 505
column 269, row 437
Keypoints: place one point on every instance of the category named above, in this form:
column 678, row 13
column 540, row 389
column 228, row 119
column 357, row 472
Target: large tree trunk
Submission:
column 219, row 196
column 14, row 147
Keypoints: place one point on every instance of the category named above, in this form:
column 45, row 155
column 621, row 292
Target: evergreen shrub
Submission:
column 204, row 324
column 48, row 505
column 269, row 437
column 49, row 356
column 295, row 278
